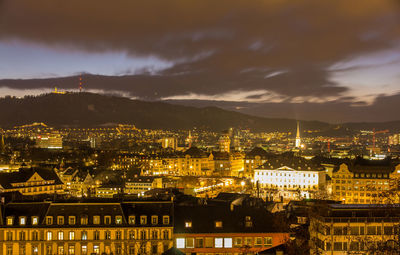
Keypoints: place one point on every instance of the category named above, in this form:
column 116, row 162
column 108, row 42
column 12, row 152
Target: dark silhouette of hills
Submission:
column 88, row 109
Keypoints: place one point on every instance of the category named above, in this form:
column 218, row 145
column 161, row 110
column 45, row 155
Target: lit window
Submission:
column 218, row 242
column 60, row 220
column 228, row 242
column 49, row 235
column 84, row 219
column 180, row 243
column 188, row 224
column 10, row 221
column 218, row 224
column 49, row 220
column 131, row 219
column 154, row 220
column 60, row 235
column 118, row 219
column 107, row 220
column 71, row 235
column 22, row 220
column 35, row 220
column 189, row 242
column 84, row 235
column 268, row 241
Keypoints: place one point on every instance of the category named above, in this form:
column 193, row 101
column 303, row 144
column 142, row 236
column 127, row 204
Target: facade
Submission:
column 229, row 164
column 86, row 228
column 227, row 230
column 290, row 179
column 364, row 182
column 253, row 159
column 169, row 142
column 141, row 184
column 354, row 229
column 31, row 181
column 52, row 141
column 224, row 143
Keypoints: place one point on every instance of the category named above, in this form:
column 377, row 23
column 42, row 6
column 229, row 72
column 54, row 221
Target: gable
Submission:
column 35, row 178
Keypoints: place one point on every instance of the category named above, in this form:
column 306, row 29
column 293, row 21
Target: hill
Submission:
column 88, row 109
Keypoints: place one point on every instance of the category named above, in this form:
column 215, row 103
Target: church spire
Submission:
column 298, row 139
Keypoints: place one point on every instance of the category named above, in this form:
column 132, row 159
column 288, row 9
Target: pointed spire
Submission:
column 2, row 144
column 298, row 139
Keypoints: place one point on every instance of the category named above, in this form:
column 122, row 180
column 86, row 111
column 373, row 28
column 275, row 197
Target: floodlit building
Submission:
column 290, row 178
column 354, row 229
column 364, row 181
column 298, row 139
column 52, row 141
column 86, row 228
column 170, row 142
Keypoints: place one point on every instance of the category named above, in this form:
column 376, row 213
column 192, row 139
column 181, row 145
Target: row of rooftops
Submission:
column 194, row 218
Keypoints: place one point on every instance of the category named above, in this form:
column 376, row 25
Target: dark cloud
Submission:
column 212, row 42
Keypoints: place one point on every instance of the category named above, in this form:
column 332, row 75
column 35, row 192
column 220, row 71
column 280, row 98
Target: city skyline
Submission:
column 271, row 59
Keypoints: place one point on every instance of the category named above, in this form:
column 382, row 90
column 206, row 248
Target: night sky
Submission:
column 331, row 60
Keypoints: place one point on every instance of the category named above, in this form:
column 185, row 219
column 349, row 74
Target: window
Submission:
column 118, row 219
column 154, row 249
column 84, row 220
column 258, row 241
column 49, row 250
column 218, row 224
column 199, row 243
column 131, row 219
column 96, row 219
column 71, row 249
column 60, row 220
column 165, row 220
column 190, row 242
column 107, row 235
column 9, row 236
column 71, row 235
column 180, row 243
column 60, row 250
column 107, row 220
column 35, row 250
column 84, row 235
column 143, row 235
column 10, row 220
column 49, row 220
column 143, row 220
column 22, row 220
column 165, row 234
column 218, row 242
column 49, row 235
column 248, row 241
column 9, row 250
column 35, row 236
column 154, row 234
column 209, row 242
column 188, row 224
column 71, row 220
column 228, row 242
column 131, row 235
column 35, row 220
column 60, row 235
column 22, row 250
column 238, row 241
column 118, row 235
column 84, row 250
column 96, row 235
column 154, row 220
column 267, row 241
column 22, row 236
column 371, row 230
column 354, row 230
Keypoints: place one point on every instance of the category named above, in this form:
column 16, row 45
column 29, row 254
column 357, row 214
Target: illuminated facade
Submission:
column 354, row 229
column 364, row 182
column 86, row 228
column 298, row 139
column 52, row 141
column 170, row 142
column 280, row 182
column 253, row 159
column 224, row 143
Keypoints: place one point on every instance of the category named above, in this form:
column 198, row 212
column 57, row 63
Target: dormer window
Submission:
column 10, row 221
column 118, row 219
column 143, row 220
column 131, row 219
column 35, row 220
column 165, row 219
column 154, row 220
column 188, row 224
column 107, row 220
column 248, row 222
column 84, row 220
column 22, row 220
column 96, row 219
column 60, row 220
column 218, row 224
column 49, row 220
column 71, row 220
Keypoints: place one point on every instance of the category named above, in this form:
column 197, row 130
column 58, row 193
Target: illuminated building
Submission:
column 229, row 164
column 227, row 230
column 195, row 162
column 140, row 184
column 224, row 143
column 253, row 159
column 31, row 181
column 170, row 142
column 363, row 181
column 290, row 178
column 86, row 228
column 354, row 229
column 298, row 139
column 52, row 141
